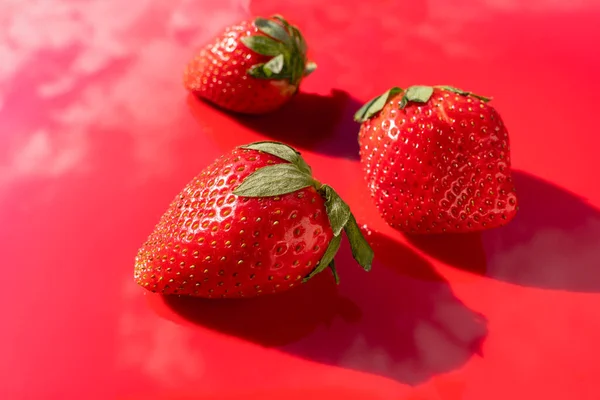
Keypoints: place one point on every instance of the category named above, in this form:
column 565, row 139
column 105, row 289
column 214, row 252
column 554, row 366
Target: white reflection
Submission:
column 551, row 257
column 39, row 155
column 185, row 16
column 57, row 87
column 71, row 69
column 44, row 156
column 154, row 346
column 378, row 358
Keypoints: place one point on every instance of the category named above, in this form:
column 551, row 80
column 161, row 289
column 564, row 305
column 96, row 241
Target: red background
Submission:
column 97, row 135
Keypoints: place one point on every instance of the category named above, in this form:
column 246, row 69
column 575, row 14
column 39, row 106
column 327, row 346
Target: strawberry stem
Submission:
column 415, row 94
column 279, row 179
column 464, row 93
column 336, row 277
column 287, row 47
column 310, row 67
column 375, row 105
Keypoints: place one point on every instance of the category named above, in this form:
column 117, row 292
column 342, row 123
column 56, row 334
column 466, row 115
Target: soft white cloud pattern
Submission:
column 69, row 68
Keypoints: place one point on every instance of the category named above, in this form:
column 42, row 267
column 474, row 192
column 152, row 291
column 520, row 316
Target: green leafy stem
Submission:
column 280, row 179
column 285, row 45
column 415, row 94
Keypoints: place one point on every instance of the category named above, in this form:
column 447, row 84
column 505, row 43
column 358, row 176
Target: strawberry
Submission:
column 253, row 67
column 437, row 159
column 254, row 222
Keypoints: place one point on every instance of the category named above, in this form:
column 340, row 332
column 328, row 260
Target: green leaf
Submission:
column 403, row 102
column 299, row 39
column 263, row 45
column 282, row 151
column 336, row 277
column 298, row 59
column 417, row 94
column 361, row 250
column 273, row 29
column 275, row 64
column 337, row 210
column 274, row 180
column 277, row 149
column 291, row 45
column 332, row 249
column 304, row 167
column 309, row 68
column 262, row 71
column 454, row 90
column 296, row 67
column 464, row 93
column 283, row 21
column 375, row 105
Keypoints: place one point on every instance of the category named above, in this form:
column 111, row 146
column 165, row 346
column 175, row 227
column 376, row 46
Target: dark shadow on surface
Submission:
column 308, row 121
column 553, row 242
column 401, row 320
column 316, row 122
column 465, row 250
column 461, row 250
column 271, row 320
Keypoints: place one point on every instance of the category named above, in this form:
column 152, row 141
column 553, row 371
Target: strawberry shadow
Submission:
column 314, row 122
column 552, row 243
column 400, row 321
column 461, row 250
column 271, row 321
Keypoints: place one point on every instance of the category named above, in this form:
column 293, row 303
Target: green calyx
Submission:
column 464, row 93
column 284, row 178
column 414, row 94
column 285, row 45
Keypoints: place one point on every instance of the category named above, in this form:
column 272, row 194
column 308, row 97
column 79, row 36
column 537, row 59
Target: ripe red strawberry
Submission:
column 254, row 222
column 253, row 67
column 437, row 159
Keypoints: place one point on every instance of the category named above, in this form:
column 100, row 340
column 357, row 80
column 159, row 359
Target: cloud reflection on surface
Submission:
column 102, row 72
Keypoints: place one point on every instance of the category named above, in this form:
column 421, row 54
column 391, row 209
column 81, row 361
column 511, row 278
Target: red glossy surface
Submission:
column 97, row 135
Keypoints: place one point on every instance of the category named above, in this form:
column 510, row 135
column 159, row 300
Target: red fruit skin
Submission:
column 443, row 166
column 213, row 243
column 219, row 74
